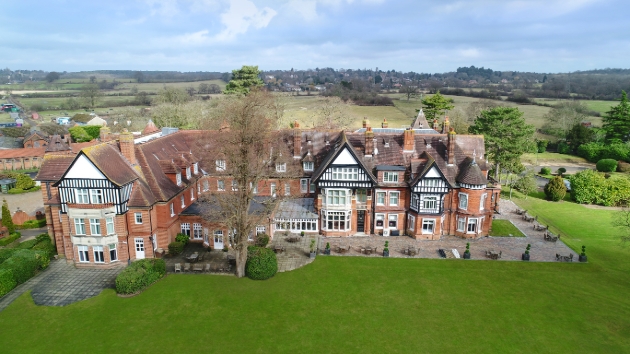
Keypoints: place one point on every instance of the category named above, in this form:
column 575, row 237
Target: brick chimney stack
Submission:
column 105, row 134
column 369, row 141
column 384, row 124
column 297, row 140
column 126, row 146
column 408, row 143
column 445, row 125
column 435, row 124
column 451, row 147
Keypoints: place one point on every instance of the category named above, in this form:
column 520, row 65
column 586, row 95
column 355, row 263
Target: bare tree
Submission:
column 332, row 113
column 409, row 91
column 90, row 94
column 250, row 147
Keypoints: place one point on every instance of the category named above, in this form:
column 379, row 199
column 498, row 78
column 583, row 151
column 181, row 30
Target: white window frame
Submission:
column 95, row 227
column 253, row 187
column 187, row 172
column 308, row 165
column 82, row 196
column 304, row 185
column 312, row 187
column 463, row 201
column 198, row 188
column 99, row 254
column 178, row 178
column 220, row 185
column 344, row 217
column 379, row 217
column 281, row 167
column 234, row 185
column 206, row 185
column 138, row 218
column 172, row 210
column 341, row 200
column 461, row 224
column 345, row 173
column 109, row 226
column 427, row 222
column 260, row 229
column 197, row 231
column 79, row 226
column 183, row 199
column 390, row 177
column 196, row 168
column 96, row 196
column 287, row 189
column 192, row 194
column 220, row 165
column 184, row 228
column 390, row 218
column 84, row 255
column 273, row 189
column 397, row 198
column 113, row 252
column 475, row 223
column 411, row 221
column 482, row 202
column 378, row 194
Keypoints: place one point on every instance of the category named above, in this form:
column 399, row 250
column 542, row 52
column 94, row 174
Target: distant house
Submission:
column 63, row 120
column 97, row 121
column 35, row 139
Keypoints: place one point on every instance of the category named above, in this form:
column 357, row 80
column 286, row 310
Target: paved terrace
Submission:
column 510, row 247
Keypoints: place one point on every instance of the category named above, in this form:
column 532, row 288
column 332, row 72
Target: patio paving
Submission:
column 62, row 284
column 296, row 254
column 217, row 259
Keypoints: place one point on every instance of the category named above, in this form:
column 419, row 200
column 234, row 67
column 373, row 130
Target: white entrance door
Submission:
column 218, row 240
column 139, row 248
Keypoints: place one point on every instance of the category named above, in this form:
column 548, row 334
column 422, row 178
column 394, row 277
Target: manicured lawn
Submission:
column 504, row 228
column 550, row 158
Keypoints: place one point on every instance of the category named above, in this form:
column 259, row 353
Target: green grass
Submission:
column 550, row 158
column 505, row 228
column 339, row 304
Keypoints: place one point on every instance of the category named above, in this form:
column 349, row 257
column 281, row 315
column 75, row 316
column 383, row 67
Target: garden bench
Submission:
column 561, row 258
column 528, row 218
column 520, row 211
column 551, row 237
column 343, row 249
column 197, row 267
column 538, row 227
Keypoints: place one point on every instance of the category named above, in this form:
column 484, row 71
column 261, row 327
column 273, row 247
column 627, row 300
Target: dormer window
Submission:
column 178, row 178
column 386, row 143
column 196, row 168
column 308, row 165
column 390, row 177
column 281, row 167
column 187, row 172
column 220, row 165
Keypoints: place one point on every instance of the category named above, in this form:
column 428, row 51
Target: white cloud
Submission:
column 166, row 8
column 470, row 53
column 240, row 16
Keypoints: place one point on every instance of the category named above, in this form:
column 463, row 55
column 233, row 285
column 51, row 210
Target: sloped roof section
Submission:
column 470, row 173
column 54, row 167
column 332, row 155
column 111, row 163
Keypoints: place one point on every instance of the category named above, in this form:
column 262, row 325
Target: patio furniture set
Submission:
column 492, row 254
column 561, row 258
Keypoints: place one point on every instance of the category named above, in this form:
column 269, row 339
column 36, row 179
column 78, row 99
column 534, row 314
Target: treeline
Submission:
column 359, row 92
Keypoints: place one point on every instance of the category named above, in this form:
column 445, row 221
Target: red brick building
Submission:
column 128, row 198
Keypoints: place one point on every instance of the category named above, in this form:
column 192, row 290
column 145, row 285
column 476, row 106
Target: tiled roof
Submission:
column 470, row 173
column 141, row 195
column 111, row 163
column 54, row 167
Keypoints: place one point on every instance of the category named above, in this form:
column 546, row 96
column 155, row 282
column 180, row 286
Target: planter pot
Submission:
column 466, row 255
column 385, row 253
column 313, row 255
column 327, row 251
column 583, row 258
column 525, row 257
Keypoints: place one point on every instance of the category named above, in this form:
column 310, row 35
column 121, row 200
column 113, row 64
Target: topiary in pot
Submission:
column 327, row 249
column 312, row 247
column 467, row 252
column 583, row 257
column 386, row 249
column 525, row 256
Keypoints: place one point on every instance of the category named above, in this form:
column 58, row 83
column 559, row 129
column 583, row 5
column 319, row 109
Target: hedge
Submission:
column 545, row 171
column 594, row 152
column 139, row 275
column 175, row 248
column 261, row 263
column 7, row 282
column 22, row 191
column 23, row 264
column 12, row 237
column 590, row 187
column 32, row 224
column 606, row 165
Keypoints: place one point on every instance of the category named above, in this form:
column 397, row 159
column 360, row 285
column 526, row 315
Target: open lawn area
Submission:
column 347, row 304
column 550, row 158
column 504, row 228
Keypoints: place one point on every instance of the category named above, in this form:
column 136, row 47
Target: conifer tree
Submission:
column 617, row 120
column 7, row 221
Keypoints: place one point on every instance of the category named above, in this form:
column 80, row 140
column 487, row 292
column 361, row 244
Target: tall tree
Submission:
column 506, row 134
column 250, row 147
column 332, row 113
column 243, row 80
column 7, row 221
column 52, row 76
column 90, row 94
column 436, row 106
column 409, row 91
column 563, row 117
column 617, row 120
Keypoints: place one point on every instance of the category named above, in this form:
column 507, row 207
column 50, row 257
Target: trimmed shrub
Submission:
column 564, row 148
column 12, row 237
column 22, row 191
column 261, row 263
column 175, row 248
column 561, row 171
column 23, row 264
column 606, row 165
column 183, row 238
column 44, row 243
column 7, row 282
column 262, row 240
column 79, row 135
column 545, row 171
column 555, row 190
column 623, row 167
column 139, row 275
column 541, row 145
column 6, row 253
column 33, row 224
column 27, row 245
column 587, row 186
column 93, row 130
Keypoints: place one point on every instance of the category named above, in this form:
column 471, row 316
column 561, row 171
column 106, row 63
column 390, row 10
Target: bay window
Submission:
column 461, row 224
column 472, row 226
column 95, row 227
column 197, row 231
column 428, row 225
column 463, row 201
column 96, row 195
column 98, row 254
column 337, row 220
column 109, row 225
column 79, row 226
column 84, row 256
column 113, row 252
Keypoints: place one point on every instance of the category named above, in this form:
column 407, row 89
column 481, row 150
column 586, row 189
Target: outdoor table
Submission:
column 368, row 250
column 193, row 257
column 278, row 249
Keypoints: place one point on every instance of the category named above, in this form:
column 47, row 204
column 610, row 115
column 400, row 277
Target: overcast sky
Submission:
column 221, row 35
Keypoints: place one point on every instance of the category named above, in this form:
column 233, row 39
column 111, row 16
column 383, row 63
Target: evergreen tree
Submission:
column 243, row 80
column 617, row 120
column 435, row 106
column 505, row 133
column 555, row 190
column 7, row 221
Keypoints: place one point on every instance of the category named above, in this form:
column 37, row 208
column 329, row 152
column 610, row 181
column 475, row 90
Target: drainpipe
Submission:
column 128, row 250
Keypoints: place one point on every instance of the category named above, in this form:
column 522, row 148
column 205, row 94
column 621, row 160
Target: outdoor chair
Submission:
column 207, row 268
column 178, row 267
column 186, row 267
column 200, row 257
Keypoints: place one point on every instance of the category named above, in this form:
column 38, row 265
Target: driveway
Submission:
column 29, row 202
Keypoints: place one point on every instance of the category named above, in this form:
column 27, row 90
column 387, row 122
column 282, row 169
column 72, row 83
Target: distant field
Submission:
column 45, row 116
column 551, row 158
column 154, row 87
